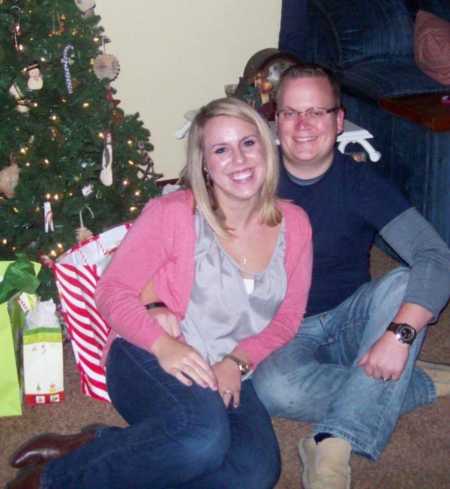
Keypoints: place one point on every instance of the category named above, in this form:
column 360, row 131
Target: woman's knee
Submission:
column 263, row 469
column 206, row 443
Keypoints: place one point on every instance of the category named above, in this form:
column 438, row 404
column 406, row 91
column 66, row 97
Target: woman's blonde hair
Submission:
column 195, row 177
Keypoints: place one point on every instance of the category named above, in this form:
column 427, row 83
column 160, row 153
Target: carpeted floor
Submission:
column 418, row 456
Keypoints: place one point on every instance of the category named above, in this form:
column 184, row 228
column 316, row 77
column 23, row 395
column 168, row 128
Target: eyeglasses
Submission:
column 311, row 114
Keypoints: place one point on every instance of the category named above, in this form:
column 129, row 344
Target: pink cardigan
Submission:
column 160, row 246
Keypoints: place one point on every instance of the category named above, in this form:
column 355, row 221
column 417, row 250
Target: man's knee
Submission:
column 281, row 392
column 391, row 287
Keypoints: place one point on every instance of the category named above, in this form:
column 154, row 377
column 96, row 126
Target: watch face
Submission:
column 406, row 333
column 244, row 368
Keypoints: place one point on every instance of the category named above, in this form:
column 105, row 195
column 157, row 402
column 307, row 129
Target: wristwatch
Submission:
column 405, row 333
column 244, row 367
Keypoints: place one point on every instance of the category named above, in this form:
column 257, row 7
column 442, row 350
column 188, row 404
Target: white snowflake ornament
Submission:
column 85, row 5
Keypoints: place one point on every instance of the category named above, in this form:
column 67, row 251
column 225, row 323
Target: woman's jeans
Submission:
column 178, row 436
column 315, row 378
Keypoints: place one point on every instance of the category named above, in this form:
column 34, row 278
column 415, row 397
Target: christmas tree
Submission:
column 71, row 161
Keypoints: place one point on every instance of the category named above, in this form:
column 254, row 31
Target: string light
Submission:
column 5, row 241
column 101, row 135
column 125, row 183
column 133, row 208
column 130, row 142
column 86, row 105
column 24, row 150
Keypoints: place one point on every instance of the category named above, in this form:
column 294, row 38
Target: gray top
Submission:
column 221, row 312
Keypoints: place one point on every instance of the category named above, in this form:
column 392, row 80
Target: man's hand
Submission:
column 386, row 359
column 228, row 378
column 167, row 320
column 183, row 362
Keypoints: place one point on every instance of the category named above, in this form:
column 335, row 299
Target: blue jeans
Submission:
column 178, row 436
column 315, row 378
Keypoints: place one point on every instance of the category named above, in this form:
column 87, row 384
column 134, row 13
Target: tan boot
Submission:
column 325, row 465
column 439, row 373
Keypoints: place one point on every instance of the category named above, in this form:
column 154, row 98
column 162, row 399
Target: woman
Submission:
column 232, row 264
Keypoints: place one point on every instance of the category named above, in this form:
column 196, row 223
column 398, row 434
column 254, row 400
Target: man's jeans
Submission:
column 179, row 436
column 315, row 378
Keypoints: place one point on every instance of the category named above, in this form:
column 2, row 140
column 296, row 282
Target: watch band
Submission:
column 154, row 305
column 244, row 367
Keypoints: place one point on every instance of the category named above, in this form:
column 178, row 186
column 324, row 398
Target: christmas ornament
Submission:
column 66, row 60
column 48, row 217
column 16, row 30
column 106, row 174
column 35, row 81
column 9, row 178
column 106, row 66
column 110, row 97
column 83, row 233
column 87, row 190
column 55, row 134
column 22, row 103
column 146, row 170
column 58, row 26
column 85, row 5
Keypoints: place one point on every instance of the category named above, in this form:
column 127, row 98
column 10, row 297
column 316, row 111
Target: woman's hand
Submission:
column 183, row 362
column 228, row 378
column 167, row 320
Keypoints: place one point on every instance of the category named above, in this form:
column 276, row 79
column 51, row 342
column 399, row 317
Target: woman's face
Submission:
column 235, row 159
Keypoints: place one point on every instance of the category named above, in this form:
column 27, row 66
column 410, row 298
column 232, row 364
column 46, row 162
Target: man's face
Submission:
column 308, row 141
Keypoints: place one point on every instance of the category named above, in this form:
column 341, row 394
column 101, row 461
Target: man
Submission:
column 351, row 368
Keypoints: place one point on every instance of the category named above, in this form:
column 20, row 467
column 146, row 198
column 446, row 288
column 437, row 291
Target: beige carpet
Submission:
column 418, row 456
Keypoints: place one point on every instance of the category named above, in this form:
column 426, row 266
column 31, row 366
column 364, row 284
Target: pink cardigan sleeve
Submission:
column 147, row 247
column 298, row 262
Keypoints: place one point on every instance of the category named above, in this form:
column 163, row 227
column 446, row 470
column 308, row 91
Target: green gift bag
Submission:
column 19, row 277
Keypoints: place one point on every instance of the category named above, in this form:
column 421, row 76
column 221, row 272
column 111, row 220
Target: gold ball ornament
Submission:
column 9, row 178
column 106, row 66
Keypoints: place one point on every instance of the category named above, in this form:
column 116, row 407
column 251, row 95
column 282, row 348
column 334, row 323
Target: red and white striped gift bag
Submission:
column 77, row 273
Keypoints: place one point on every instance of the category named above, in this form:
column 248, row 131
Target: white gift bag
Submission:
column 43, row 377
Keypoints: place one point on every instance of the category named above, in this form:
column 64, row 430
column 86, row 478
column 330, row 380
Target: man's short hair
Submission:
column 310, row 70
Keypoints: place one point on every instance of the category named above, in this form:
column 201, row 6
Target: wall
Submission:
column 176, row 55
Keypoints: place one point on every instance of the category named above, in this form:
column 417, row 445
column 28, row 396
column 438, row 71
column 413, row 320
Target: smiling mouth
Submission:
column 241, row 176
column 306, row 139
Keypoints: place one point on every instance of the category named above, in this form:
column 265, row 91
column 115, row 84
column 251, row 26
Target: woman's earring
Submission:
column 207, row 177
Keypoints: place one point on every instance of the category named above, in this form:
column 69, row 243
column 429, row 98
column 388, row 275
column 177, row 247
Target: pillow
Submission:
column 432, row 46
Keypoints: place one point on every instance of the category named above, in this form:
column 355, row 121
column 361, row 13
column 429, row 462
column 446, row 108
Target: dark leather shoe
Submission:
column 27, row 479
column 49, row 446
